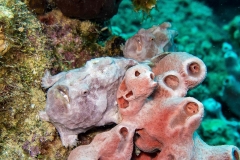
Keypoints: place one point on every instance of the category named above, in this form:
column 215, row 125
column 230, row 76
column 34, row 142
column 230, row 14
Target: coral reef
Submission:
column 216, row 125
column 223, row 131
column 213, row 109
column 30, row 45
column 201, row 35
column 81, row 99
column 69, row 46
column 231, row 89
column 220, row 118
column 73, row 42
column 233, row 29
column 161, row 124
column 21, row 97
column 176, row 73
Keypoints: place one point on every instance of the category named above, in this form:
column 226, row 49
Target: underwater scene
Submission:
column 119, row 79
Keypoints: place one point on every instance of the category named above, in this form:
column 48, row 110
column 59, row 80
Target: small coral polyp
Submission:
column 146, row 100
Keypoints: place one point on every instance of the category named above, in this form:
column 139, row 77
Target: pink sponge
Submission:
column 157, row 121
